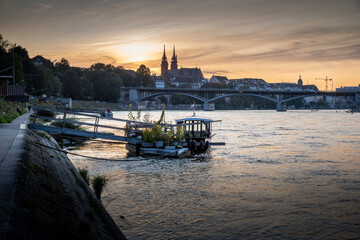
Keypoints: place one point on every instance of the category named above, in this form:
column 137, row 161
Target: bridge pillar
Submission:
column 208, row 106
column 133, row 96
column 281, row 107
column 357, row 102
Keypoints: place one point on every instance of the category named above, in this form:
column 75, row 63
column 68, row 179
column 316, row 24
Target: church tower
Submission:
column 174, row 65
column 164, row 65
column 300, row 82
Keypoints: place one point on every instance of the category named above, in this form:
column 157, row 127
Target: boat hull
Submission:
column 188, row 149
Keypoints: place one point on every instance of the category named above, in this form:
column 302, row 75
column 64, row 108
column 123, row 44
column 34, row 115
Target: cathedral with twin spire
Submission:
column 182, row 75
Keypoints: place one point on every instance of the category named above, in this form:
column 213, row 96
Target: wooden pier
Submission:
column 81, row 133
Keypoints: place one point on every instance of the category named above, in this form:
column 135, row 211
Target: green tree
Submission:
column 143, row 77
column 63, row 65
column 128, row 79
column 106, row 85
column 75, row 84
column 97, row 67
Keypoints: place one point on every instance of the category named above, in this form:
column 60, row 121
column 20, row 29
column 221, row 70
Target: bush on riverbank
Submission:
column 98, row 183
column 6, row 112
column 46, row 113
column 84, row 174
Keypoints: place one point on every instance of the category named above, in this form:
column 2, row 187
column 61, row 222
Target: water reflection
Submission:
column 287, row 175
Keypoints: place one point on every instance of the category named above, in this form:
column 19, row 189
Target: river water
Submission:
column 281, row 175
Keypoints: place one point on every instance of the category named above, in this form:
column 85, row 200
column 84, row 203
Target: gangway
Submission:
column 81, row 133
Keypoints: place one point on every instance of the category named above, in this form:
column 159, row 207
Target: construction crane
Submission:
column 326, row 80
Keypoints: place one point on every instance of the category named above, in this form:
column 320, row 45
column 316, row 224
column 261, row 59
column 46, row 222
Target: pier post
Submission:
column 281, row 107
column 357, row 102
column 133, row 97
column 208, row 106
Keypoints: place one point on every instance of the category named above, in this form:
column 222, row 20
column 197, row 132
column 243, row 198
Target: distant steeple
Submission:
column 174, row 65
column 164, row 55
column 300, row 81
column 164, row 65
column 174, row 56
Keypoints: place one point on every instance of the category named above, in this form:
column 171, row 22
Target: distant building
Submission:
column 196, row 85
column 182, row 75
column 261, row 84
column 4, row 81
column 10, row 90
column 219, row 79
column 39, row 61
column 310, row 87
column 164, row 65
column 300, row 82
column 348, row 89
column 159, row 82
column 250, row 83
column 285, row 86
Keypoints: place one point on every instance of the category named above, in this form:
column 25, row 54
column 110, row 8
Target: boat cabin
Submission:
column 200, row 128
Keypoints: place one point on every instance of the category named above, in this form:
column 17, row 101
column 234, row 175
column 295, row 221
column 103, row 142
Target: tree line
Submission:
column 100, row 81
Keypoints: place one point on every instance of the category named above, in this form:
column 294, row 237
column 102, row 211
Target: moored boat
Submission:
column 189, row 136
column 107, row 113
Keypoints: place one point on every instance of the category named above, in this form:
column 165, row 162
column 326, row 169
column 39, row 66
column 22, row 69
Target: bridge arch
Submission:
column 241, row 94
column 302, row 96
column 171, row 93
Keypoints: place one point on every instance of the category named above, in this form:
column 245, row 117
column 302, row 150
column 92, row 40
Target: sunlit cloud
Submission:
column 273, row 39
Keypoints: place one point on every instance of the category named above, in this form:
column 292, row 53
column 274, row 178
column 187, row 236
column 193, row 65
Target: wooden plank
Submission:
column 83, row 133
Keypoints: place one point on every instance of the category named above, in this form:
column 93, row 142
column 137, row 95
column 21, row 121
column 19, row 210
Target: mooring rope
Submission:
column 90, row 158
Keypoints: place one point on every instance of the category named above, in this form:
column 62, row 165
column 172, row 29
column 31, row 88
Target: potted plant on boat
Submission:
column 158, row 136
column 179, row 136
column 169, row 138
column 148, row 138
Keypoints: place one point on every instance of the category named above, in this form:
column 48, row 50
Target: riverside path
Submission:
column 11, row 150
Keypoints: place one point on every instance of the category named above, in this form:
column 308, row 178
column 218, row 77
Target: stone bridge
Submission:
column 281, row 98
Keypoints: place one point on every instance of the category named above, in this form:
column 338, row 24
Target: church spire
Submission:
column 174, row 65
column 164, row 55
column 164, row 65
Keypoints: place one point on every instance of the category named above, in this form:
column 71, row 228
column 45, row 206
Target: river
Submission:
column 281, row 175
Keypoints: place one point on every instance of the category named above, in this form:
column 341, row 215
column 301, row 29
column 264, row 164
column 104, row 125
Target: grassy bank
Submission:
column 8, row 111
column 81, row 105
column 95, row 105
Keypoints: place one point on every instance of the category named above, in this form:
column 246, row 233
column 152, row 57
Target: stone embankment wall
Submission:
column 52, row 199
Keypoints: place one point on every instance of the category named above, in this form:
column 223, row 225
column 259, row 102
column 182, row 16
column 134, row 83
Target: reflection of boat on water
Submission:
column 187, row 137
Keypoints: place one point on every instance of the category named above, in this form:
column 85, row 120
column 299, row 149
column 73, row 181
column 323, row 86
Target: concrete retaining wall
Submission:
column 52, row 201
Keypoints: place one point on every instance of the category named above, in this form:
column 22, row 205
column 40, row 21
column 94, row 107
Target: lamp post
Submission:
column 13, row 56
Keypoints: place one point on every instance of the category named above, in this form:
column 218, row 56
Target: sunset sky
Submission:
column 271, row 39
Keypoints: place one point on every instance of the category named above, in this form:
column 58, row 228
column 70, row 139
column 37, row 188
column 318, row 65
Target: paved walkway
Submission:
column 8, row 133
column 11, row 149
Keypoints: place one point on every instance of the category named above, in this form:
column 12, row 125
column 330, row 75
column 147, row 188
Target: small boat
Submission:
column 195, row 135
column 107, row 113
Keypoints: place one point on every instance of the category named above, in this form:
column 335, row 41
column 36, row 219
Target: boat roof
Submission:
column 195, row 118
